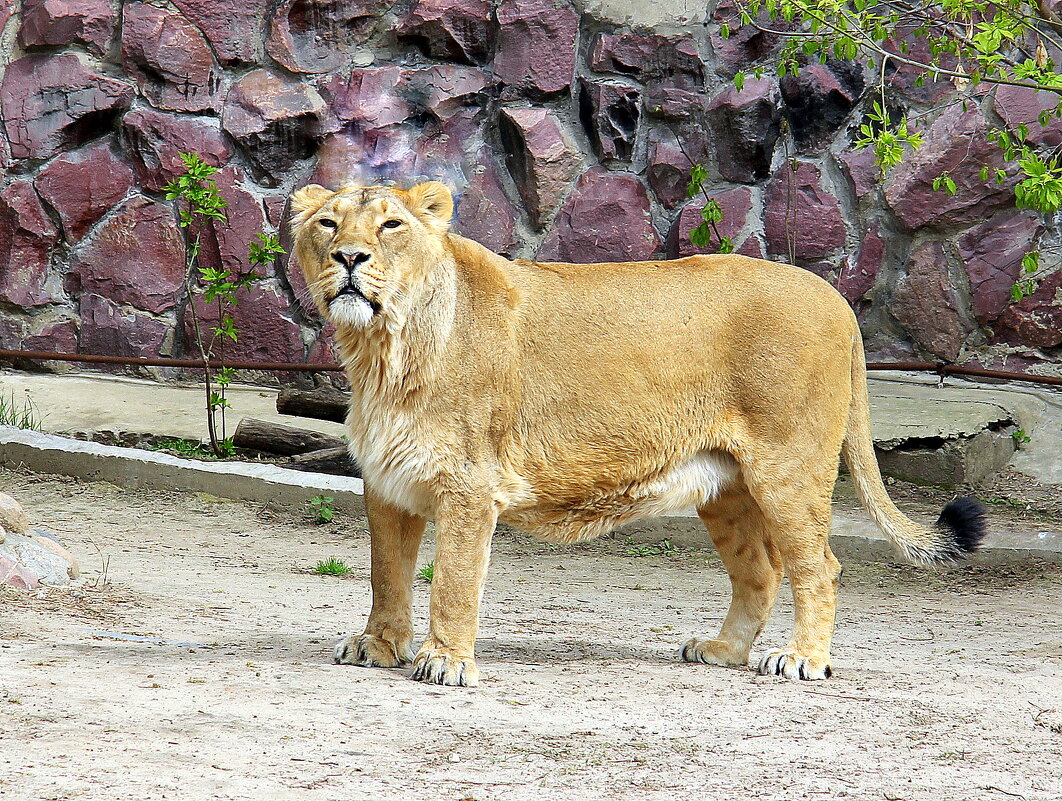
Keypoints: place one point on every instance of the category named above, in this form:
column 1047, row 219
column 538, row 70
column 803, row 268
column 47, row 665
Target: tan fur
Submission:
column 568, row 399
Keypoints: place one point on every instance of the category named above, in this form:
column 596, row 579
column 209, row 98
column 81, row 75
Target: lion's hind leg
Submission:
column 740, row 532
column 800, row 528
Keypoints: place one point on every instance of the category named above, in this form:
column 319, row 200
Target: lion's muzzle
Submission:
column 351, row 258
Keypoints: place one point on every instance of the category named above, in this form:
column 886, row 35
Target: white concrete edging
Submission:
column 133, row 467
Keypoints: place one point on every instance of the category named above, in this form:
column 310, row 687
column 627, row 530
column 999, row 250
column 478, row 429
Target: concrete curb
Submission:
column 264, row 483
column 133, row 467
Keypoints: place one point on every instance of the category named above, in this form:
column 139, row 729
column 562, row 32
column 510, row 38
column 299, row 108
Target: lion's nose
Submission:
column 351, row 257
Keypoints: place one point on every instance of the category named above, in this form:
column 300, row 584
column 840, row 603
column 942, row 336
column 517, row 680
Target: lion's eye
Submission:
column 327, row 223
column 392, row 223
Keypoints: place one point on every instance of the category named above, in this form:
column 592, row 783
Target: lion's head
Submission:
column 367, row 251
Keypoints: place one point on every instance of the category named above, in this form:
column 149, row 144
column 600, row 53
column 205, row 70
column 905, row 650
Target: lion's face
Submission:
column 365, row 251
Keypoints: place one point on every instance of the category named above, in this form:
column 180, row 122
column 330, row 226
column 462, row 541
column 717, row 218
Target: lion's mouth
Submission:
column 351, row 291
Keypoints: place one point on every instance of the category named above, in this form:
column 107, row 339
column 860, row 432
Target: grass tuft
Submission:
column 20, row 414
column 332, row 567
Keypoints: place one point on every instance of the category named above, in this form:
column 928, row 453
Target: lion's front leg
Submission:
column 464, row 528
column 388, row 638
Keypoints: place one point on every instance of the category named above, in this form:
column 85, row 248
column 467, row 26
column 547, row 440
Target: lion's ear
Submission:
column 309, row 198
column 433, row 200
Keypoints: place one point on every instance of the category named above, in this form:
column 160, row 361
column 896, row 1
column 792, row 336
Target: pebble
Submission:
column 15, row 575
column 35, row 558
column 12, row 516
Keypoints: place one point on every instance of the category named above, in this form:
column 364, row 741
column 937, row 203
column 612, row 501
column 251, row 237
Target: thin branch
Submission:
column 864, row 41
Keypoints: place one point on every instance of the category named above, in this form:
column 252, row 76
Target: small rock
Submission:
column 861, row 170
column 58, row 102
column 541, row 158
column 609, row 112
column 991, row 254
column 673, row 103
column 317, row 36
column 1019, row 105
column 15, row 575
column 264, row 319
column 107, row 327
column 57, row 337
column 484, row 212
column 63, row 22
column 1035, row 320
column 747, row 45
column 83, row 185
column 461, row 31
column 902, row 79
column 12, row 515
column 369, row 97
column 955, row 144
column 136, row 256
column 605, row 218
column 225, row 244
column 736, row 205
column 48, row 540
column 798, row 207
column 536, row 45
column 857, row 277
column 746, row 127
column 27, row 237
column 233, row 29
column 820, row 98
column 157, row 139
column 648, row 57
column 927, row 304
column 277, row 119
column 30, row 556
column 669, row 167
column 170, row 59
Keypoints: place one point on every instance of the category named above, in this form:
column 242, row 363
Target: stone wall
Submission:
column 567, row 129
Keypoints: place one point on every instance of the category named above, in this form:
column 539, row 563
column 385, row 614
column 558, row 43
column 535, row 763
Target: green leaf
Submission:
column 701, row 236
column 712, row 212
column 698, row 175
column 739, row 80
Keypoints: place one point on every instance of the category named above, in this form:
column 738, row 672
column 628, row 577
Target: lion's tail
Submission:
column 961, row 525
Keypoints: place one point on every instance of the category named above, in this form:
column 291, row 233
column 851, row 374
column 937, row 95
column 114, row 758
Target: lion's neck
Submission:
column 397, row 358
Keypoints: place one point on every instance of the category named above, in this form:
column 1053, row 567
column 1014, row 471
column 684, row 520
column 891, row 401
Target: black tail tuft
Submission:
column 963, row 522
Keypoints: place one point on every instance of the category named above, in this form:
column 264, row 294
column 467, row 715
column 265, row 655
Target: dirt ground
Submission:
column 948, row 682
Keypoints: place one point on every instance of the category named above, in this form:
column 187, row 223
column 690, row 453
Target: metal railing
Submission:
column 940, row 369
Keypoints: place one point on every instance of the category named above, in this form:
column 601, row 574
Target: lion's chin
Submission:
column 352, row 311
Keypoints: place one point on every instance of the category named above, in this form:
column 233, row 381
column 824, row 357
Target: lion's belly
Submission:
column 687, row 485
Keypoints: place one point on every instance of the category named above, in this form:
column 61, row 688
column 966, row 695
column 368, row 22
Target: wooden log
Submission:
column 259, row 435
column 326, row 403
column 336, row 461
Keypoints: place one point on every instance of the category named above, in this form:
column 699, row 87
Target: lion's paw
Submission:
column 712, row 652
column 792, row 665
column 369, row 651
column 439, row 666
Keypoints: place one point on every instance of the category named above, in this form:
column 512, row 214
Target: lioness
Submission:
column 568, row 399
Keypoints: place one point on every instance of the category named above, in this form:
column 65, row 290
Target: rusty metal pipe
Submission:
column 142, row 361
column 955, row 369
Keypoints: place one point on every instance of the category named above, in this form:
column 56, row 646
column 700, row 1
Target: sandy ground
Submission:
column 948, row 683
